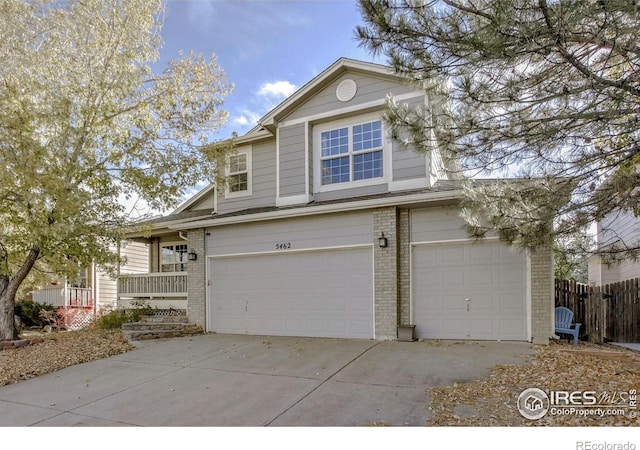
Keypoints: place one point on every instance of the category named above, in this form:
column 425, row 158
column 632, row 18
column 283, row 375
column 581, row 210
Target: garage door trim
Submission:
column 210, row 258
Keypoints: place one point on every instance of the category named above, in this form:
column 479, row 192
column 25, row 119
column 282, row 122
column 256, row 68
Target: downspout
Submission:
column 182, row 236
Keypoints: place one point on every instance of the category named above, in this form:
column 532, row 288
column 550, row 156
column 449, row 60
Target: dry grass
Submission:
column 558, row 367
column 59, row 350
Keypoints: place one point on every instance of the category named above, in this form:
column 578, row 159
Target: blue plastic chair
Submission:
column 564, row 317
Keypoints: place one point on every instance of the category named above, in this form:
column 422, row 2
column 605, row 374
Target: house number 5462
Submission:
column 283, row 245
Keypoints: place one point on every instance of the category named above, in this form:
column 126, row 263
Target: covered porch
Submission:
column 64, row 296
column 161, row 290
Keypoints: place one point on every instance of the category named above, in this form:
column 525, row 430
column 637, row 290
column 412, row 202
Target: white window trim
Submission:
column 342, row 123
column 227, row 193
column 175, row 263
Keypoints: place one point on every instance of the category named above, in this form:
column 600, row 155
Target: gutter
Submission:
column 322, row 209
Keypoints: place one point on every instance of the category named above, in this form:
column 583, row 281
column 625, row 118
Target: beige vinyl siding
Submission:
column 263, row 173
column 369, row 89
column 137, row 254
column 292, row 160
column 205, row 203
column 107, row 290
column 331, row 230
column 407, row 163
column 436, row 224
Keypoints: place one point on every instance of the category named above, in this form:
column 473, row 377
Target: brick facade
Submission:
column 542, row 295
column 385, row 262
column 404, row 267
column 197, row 280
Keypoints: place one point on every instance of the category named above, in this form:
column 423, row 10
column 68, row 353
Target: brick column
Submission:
column 196, row 281
column 404, row 275
column 385, row 262
column 542, row 295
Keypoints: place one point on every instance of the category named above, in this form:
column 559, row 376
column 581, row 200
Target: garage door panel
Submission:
column 483, row 328
column 480, row 254
column 510, row 327
column 514, row 302
column 452, row 304
column 512, row 276
column 489, row 274
column 448, row 278
column 317, row 293
column 451, row 256
column 484, row 277
column 440, row 329
column 482, row 304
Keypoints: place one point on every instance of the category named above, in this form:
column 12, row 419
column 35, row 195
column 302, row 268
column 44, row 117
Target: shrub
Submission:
column 112, row 320
column 29, row 312
column 116, row 318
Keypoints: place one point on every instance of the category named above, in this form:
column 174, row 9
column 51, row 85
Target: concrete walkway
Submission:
column 630, row 346
column 229, row 380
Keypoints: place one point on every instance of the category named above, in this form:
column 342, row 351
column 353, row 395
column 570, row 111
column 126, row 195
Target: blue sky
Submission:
column 267, row 48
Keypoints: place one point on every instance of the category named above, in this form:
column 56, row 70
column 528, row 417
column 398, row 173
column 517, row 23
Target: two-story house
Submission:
column 327, row 227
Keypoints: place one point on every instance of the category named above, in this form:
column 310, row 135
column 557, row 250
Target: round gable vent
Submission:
column 346, row 90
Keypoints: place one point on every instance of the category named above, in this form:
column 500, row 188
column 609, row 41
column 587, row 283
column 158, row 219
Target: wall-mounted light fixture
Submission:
column 382, row 241
column 192, row 255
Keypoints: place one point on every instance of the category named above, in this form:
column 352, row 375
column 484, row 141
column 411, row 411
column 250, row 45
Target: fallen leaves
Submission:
column 60, row 350
column 558, row 367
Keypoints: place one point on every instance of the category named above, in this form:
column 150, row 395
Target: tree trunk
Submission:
column 8, row 289
column 8, row 330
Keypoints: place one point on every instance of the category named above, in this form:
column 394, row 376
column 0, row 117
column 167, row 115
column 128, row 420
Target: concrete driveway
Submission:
column 230, row 380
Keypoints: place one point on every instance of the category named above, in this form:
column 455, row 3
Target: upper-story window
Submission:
column 350, row 151
column 239, row 174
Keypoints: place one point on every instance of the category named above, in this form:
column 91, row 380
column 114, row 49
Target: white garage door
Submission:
column 326, row 293
column 469, row 291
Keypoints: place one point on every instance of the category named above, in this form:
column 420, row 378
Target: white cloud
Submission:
column 280, row 89
column 241, row 120
column 246, row 118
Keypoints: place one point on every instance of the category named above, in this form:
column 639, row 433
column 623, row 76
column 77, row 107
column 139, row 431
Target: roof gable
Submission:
column 317, row 84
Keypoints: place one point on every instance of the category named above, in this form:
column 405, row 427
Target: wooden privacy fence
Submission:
column 609, row 313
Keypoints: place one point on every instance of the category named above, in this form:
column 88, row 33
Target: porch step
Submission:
column 160, row 327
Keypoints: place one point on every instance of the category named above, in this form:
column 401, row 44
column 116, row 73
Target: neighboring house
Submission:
column 620, row 229
column 94, row 286
column 326, row 227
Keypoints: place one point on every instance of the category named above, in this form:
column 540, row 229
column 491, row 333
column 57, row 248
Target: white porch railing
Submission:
column 61, row 296
column 153, row 285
